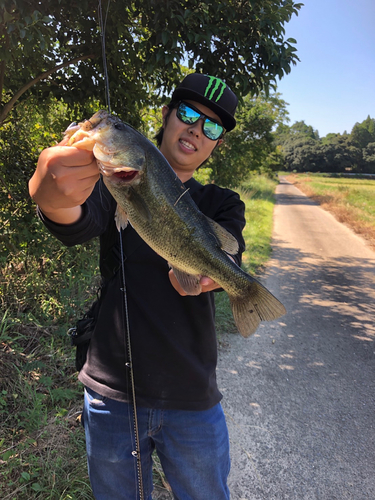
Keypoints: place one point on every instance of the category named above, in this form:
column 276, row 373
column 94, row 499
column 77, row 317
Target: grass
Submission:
column 350, row 200
column 42, row 449
column 258, row 195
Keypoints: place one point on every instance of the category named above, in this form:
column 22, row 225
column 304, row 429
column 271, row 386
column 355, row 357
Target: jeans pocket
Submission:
column 95, row 399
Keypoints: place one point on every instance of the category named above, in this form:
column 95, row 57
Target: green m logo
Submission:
column 213, row 85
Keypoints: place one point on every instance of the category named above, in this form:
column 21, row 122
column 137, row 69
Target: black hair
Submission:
column 159, row 135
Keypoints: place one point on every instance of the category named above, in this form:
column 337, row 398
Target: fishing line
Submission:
column 103, row 26
column 128, row 351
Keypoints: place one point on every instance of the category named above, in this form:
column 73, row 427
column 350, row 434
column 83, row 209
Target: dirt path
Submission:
column 300, row 394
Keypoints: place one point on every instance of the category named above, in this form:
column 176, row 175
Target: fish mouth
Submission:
column 126, row 175
column 120, row 174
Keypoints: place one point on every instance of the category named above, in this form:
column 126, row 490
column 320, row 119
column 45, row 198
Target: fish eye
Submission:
column 120, row 126
column 140, row 161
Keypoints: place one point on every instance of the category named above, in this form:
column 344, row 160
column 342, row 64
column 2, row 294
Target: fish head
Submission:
column 116, row 147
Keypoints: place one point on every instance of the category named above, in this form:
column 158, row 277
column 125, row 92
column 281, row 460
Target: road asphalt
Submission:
column 299, row 395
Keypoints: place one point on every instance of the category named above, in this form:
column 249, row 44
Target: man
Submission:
column 173, row 340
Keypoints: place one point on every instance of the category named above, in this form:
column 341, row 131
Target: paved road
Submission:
column 300, row 394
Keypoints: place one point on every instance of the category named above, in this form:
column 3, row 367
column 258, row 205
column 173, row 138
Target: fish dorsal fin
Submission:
column 227, row 241
column 121, row 218
column 189, row 282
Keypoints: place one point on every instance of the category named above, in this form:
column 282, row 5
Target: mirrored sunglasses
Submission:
column 188, row 114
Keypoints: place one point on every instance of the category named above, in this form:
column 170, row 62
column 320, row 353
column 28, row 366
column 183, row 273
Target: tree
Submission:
column 300, row 129
column 341, row 154
column 21, row 141
column 300, row 147
column 54, row 48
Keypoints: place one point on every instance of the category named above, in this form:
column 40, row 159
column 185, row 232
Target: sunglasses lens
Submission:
column 212, row 130
column 186, row 114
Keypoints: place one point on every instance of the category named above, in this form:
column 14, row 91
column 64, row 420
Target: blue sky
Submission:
column 333, row 86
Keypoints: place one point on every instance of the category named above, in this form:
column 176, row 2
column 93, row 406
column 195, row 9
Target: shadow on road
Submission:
column 296, row 200
column 299, row 396
column 339, row 293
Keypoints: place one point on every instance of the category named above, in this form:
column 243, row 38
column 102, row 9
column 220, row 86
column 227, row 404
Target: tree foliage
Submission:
column 21, row 141
column 54, row 48
column 250, row 147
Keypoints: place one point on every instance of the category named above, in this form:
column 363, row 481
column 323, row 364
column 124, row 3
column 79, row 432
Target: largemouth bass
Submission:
column 151, row 197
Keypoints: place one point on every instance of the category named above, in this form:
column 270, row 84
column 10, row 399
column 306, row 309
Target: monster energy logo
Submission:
column 213, row 85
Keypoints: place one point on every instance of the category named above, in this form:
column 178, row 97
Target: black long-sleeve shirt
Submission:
column 173, row 338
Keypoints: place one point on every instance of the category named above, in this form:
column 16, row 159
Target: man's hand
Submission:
column 63, row 180
column 207, row 284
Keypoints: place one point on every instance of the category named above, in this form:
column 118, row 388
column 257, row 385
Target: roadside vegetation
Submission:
column 351, row 200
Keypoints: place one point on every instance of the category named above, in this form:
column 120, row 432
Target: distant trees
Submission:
column 303, row 150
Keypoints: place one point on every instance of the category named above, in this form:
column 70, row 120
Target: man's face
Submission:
column 185, row 146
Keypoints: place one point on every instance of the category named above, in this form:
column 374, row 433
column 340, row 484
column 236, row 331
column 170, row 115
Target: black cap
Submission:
column 213, row 93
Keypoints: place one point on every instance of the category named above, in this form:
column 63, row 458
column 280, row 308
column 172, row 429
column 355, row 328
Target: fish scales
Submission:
column 159, row 207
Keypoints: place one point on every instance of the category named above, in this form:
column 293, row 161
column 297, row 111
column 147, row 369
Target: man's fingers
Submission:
column 207, row 284
column 68, row 156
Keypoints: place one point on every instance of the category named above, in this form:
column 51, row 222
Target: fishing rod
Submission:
column 103, row 25
column 127, row 340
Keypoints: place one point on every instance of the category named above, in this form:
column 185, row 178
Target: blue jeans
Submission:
column 193, row 448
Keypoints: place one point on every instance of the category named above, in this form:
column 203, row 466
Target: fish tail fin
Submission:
column 257, row 305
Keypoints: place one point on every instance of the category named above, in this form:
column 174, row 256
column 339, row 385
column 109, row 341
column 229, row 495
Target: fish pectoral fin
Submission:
column 139, row 205
column 227, row 241
column 189, row 282
column 121, row 218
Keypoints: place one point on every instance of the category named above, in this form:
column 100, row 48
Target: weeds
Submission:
column 42, row 451
column 39, row 402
